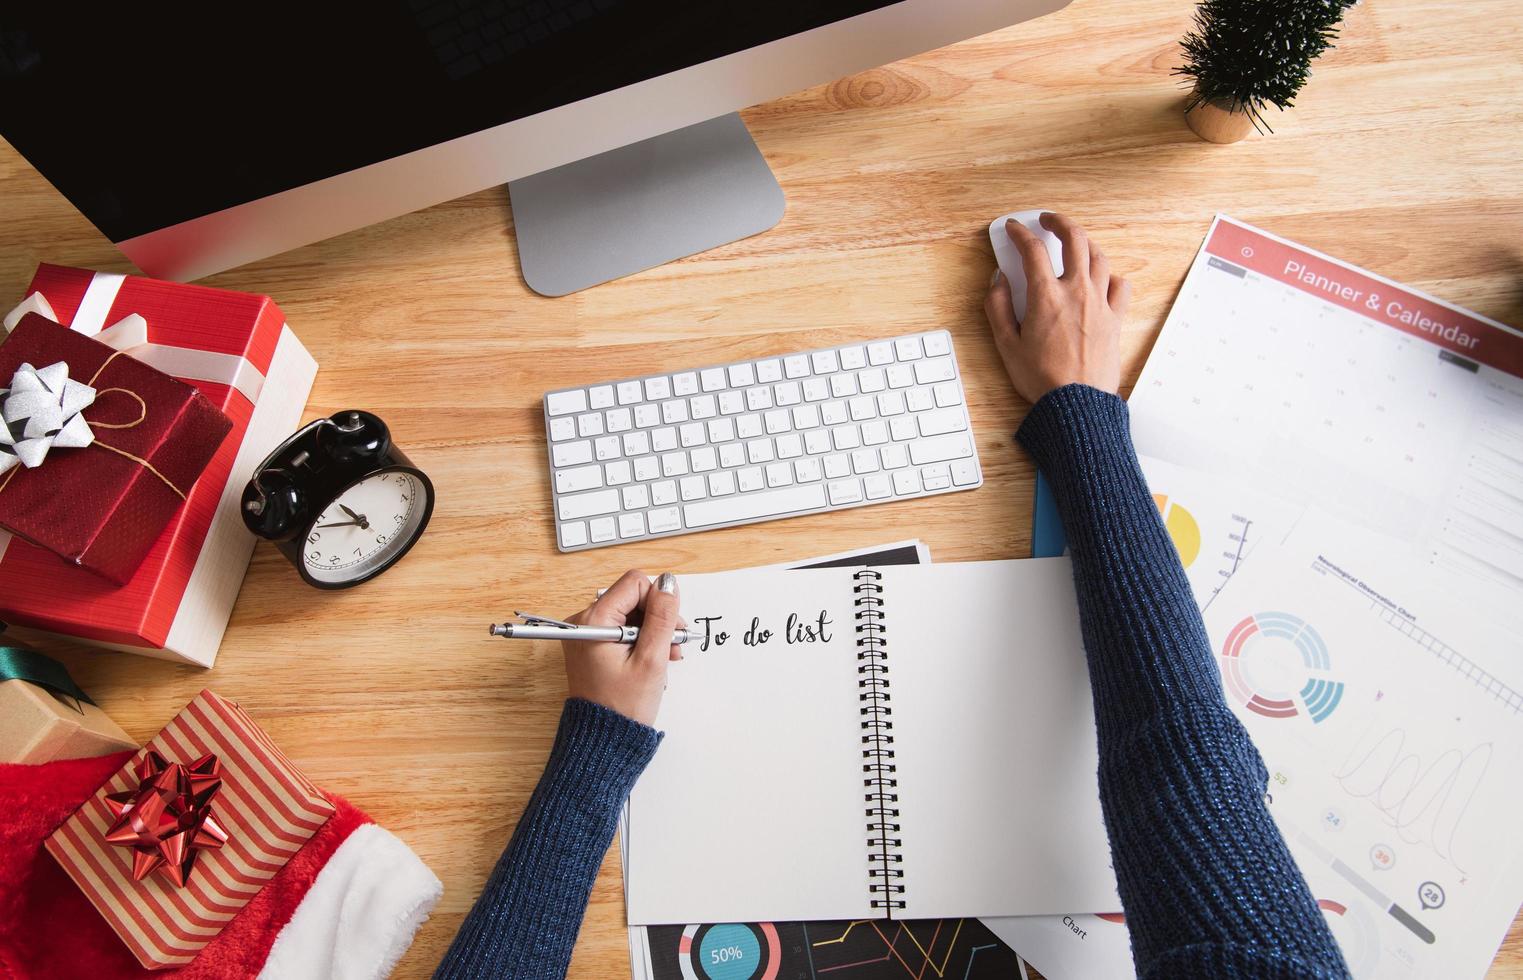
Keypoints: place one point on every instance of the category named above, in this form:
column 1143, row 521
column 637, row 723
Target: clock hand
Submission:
column 342, row 524
column 358, row 518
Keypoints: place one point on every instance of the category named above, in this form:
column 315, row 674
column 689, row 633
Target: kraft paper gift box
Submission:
column 45, row 716
column 237, row 350
column 264, row 807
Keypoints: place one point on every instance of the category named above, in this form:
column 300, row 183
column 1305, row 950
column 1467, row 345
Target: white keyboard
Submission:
column 758, row 440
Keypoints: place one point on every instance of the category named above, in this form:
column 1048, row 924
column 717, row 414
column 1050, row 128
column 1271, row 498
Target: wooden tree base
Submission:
column 1212, row 122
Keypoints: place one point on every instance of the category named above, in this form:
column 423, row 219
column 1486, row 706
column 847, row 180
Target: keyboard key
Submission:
column 964, row 472
column 874, row 433
column 711, row 379
column 561, row 429
column 777, row 421
column 663, row 440
column 704, row 459
column 663, row 493
column 721, row 484
column 573, row 534
column 871, row 380
column 731, row 455
column 750, row 507
column 796, row 366
column 906, row 482
column 940, row 448
column 948, row 394
column 619, row 419
column 566, row 402
column 618, row 473
column 790, row 446
column 834, row 413
column 933, row 370
column 845, row 492
column 862, row 408
column 907, row 348
column 629, row 392
column 606, row 447
column 853, row 358
column 877, row 486
column 673, row 412
column 880, row 353
column 900, row 376
column 837, row 466
column 817, row 441
column 721, row 430
column 674, row 464
column 864, row 461
column 935, row 478
column 635, row 497
column 657, row 389
column 636, row 443
column 816, row 389
column 750, row 479
column 760, row 451
column 703, row 407
column 647, row 415
column 894, row 455
column 742, row 376
column 846, row 437
column 748, row 426
column 731, row 402
column 788, row 393
column 691, row 434
column 890, row 403
column 603, row 529
column 601, row 396
column 806, row 417
column 824, row 362
column 578, row 479
column 685, row 384
column 769, row 371
column 779, row 474
column 692, row 487
column 631, row 525
column 588, row 504
column 843, row 385
column 902, row 427
column 647, row 468
column 937, row 344
column 942, row 421
column 758, row 399
column 666, row 519
column 920, row 399
column 571, row 453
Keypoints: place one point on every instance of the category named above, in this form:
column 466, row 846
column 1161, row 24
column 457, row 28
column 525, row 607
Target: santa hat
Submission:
column 347, row 905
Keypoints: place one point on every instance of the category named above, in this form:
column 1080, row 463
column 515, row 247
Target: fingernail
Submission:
column 666, row 583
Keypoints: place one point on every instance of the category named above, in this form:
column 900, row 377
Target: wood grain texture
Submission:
column 1401, row 156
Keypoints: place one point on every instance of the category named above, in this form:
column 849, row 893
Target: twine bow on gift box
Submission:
column 168, row 819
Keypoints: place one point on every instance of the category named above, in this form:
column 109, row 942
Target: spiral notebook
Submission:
column 849, row 743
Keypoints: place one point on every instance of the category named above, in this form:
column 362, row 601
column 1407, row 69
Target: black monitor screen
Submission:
column 145, row 119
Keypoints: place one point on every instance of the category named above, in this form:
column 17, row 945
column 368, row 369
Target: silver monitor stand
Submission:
column 642, row 205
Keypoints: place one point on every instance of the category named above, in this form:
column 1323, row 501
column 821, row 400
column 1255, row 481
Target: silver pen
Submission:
column 545, row 628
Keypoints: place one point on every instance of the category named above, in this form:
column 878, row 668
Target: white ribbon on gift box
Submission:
column 130, row 336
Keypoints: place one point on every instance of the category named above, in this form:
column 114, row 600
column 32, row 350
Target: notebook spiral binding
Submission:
column 880, row 781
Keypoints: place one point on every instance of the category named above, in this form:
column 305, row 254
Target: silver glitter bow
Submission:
column 40, row 411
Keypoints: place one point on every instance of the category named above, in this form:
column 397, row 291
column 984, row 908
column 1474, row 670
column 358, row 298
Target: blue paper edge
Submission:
column 1047, row 539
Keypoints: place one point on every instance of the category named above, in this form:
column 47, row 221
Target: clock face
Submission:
column 366, row 528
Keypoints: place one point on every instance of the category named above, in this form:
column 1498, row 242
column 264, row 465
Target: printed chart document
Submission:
column 912, row 741
column 1322, row 382
column 1390, row 718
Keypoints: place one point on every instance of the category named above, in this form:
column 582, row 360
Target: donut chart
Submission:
column 1276, row 665
column 1355, row 935
column 729, row 952
column 1182, row 528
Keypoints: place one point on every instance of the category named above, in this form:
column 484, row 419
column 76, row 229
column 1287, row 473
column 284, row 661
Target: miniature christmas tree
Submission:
column 1245, row 55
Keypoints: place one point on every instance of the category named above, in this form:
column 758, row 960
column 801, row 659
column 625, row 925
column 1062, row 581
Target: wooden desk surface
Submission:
column 1402, row 157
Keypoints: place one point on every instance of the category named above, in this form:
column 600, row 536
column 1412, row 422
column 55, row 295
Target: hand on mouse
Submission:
column 1072, row 330
column 627, row 679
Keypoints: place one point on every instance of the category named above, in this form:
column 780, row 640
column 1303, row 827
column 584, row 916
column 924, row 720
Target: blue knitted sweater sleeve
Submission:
column 525, row 922
column 1208, row 886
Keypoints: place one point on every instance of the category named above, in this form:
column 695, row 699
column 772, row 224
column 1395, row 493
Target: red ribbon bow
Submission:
column 168, row 819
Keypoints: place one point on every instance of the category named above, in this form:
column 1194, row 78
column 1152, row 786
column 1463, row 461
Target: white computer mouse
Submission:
column 1010, row 260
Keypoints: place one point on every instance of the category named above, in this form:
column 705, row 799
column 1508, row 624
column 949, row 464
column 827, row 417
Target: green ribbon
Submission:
column 23, row 664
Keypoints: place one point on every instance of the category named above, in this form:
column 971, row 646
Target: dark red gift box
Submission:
column 103, row 506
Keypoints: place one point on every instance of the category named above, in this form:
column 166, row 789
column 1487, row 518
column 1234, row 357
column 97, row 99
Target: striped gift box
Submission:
column 267, row 806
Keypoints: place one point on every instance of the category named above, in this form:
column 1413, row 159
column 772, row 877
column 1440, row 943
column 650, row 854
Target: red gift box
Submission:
column 101, row 506
column 237, row 350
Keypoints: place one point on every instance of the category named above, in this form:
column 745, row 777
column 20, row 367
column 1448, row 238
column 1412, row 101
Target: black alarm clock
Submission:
column 339, row 500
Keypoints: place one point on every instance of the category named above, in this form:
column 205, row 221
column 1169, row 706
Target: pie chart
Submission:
column 1181, row 526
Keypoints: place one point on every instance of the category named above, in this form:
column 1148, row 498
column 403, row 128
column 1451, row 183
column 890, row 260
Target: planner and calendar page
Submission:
column 1289, row 369
column 908, row 742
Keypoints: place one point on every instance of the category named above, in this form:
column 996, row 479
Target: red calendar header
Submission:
column 1376, row 299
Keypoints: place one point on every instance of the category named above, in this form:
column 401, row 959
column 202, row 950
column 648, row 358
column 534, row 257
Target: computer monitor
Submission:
column 198, row 142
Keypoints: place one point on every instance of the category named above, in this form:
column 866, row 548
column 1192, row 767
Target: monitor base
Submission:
column 642, row 205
